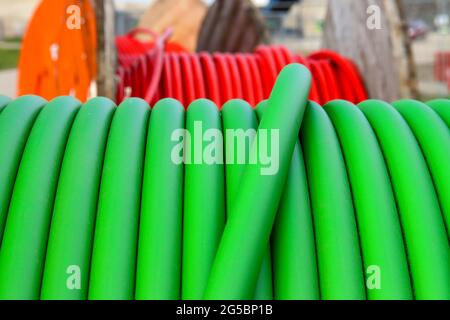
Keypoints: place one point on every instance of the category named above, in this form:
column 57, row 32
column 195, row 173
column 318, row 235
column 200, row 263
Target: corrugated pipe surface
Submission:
column 344, row 202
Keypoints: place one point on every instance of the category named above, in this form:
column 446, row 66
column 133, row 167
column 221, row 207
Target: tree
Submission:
column 373, row 33
column 106, row 50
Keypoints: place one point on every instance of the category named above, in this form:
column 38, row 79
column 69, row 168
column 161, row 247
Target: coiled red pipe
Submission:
column 154, row 71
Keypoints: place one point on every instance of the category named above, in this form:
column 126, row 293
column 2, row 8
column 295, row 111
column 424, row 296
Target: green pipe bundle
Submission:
column 289, row 201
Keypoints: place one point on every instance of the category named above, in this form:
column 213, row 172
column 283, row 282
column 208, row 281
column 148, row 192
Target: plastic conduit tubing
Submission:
column 244, row 243
column 176, row 77
column 314, row 94
column 337, row 243
column 239, row 117
column 293, row 246
column 268, row 68
column 442, row 108
column 167, row 89
column 188, row 79
column 199, row 82
column 121, row 84
column 141, row 78
column 160, row 89
column 256, row 78
column 288, row 57
column 277, row 58
column 247, row 81
column 135, row 80
column 72, row 228
column 116, row 230
column 376, row 212
column 236, row 81
column 225, row 79
column 345, row 85
column 423, row 227
column 435, row 146
column 152, row 87
column 16, row 121
column 145, row 73
column 211, row 78
column 330, row 80
column 264, row 285
column 25, row 237
column 158, row 274
column 321, row 82
column 204, row 197
column 127, row 80
column 264, row 74
column 353, row 85
column 341, row 84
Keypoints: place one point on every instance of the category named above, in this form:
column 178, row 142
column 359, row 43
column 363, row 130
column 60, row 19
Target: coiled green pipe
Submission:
column 114, row 252
column 293, row 246
column 337, row 244
column 435, row 146
column 22, row 254
column 204, row 198
column 101, row 202
column 16, row 121
column 69, row 245
column 423, row 227
column 442, row 108
column 244, row 241
column 158, row 274
column 238, row 115
column 380, row 233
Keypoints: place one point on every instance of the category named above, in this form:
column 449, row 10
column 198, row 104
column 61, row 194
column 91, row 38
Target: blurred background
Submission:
column 298, row 25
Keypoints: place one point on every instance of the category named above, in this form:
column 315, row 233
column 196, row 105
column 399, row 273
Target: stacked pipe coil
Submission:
column 152, row 67
column 92, row 190
column 148, row 71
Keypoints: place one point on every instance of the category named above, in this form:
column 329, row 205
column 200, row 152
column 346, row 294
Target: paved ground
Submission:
column 8, row 81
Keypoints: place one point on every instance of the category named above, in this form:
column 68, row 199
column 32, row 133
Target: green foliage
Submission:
column 8, row 58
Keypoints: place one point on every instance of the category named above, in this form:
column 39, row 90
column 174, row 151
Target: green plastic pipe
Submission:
column 435, row 146
column 423, row 228
column 16, row 121
column 293, row 244
column 114, row 253
column 442, row 108
column 204, row 198
column 158, row 274
column 239, row 118
column 245, row 240
column 69, row 248
column 25, row 238
column 383, row 251
column 337, row 244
